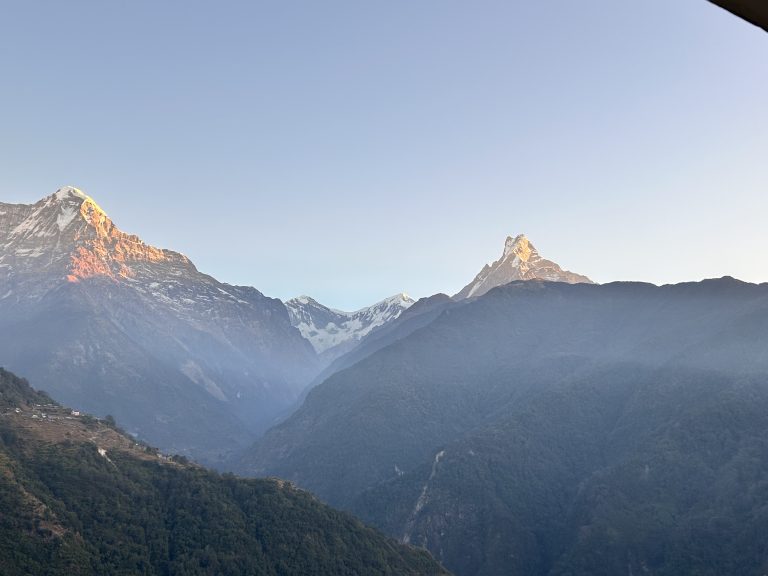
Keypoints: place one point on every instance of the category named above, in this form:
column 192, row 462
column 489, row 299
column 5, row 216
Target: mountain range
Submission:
column 109, row 324
column 333, row 333
column 552, row 428
column 535, row 423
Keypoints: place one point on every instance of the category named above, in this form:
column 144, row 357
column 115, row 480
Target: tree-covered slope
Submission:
column 552, row 428
column 665, row 472
column 79, row 497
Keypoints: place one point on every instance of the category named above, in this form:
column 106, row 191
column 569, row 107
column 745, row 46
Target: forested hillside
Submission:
column 80, row 498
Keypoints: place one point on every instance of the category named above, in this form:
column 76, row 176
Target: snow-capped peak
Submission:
column 401, row 297
column 74, row 197
column 67, row 192
column 67, row 231
column 48, row 218
column 519, row 261
column 519, row 246
column 304, row 299
column 328, row 328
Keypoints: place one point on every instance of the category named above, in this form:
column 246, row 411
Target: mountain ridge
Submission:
column 333, row 332
column 112, row 325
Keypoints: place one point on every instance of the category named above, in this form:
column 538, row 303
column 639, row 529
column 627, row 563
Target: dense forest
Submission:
column 664, row 473
column 69, row 506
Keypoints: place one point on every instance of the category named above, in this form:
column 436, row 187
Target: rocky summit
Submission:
column 520, row 261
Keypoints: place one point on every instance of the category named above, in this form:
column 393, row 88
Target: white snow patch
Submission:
column 68, row 214
column 67, row 191
column 29, row 252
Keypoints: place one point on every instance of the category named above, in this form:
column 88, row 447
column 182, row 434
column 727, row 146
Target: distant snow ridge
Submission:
column 326, row 328
column 520, row 261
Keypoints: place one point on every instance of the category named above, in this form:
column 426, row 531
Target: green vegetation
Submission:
column 66, row 509
column 16, row 391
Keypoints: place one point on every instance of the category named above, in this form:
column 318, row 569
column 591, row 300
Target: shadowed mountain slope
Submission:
column 111, row 325
column 492, row 432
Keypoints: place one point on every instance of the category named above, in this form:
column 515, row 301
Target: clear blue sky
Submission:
column 353, row 149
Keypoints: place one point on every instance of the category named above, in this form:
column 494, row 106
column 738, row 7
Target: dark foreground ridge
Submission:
column 79, row 497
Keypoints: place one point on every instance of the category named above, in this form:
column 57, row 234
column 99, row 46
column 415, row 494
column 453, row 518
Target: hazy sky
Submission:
column 353, row 149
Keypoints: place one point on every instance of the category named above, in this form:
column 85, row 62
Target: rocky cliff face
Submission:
column 68, row 235
column 520, row 261
column 107, row 323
